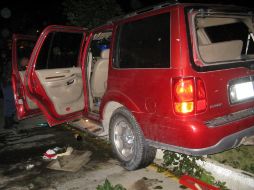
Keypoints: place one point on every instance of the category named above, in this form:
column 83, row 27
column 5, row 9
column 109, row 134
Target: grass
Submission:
column 107, row 186
column 239, row 158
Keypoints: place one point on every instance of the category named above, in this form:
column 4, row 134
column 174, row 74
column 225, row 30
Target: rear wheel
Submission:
column 128, row 141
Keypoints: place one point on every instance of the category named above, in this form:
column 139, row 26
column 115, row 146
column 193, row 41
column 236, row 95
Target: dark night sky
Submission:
column 29, row 16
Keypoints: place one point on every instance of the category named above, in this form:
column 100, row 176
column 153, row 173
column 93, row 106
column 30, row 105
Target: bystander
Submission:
column 8, row 97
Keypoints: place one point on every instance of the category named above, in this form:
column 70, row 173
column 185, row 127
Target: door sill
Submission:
column 88, row 125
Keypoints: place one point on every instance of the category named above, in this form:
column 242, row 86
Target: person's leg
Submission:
column 9, row 105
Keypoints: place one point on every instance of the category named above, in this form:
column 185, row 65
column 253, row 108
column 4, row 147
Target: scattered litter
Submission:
column 195, row 184
column 66, row 159
column 49, row 155
column 31, row 186
column 72, row 162
column 68, row 152
column 52, row 154
column 42, row 124
column 78, row 137
column 29, row 166
column 57, row 149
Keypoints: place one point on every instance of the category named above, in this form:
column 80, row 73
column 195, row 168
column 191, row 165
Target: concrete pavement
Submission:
column 25, row 146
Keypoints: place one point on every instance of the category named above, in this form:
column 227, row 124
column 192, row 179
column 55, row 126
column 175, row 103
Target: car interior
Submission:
column 97, row 68
column 226, row 47
column 61, row 77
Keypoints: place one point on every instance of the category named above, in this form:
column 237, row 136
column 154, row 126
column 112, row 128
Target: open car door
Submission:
column 54, row 77
column 22, row 46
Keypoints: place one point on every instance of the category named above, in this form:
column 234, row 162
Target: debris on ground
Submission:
column 44, row 124
column 30, row 143
column 195, row 184
column 29, row 166
column 49, row 155
column 52, row 154
column 72, row 162
column 66, row 159
column 146, row 184
column 78, row 137
column 68, row 152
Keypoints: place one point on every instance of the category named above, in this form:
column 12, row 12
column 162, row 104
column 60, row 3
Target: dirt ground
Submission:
column 22, row 166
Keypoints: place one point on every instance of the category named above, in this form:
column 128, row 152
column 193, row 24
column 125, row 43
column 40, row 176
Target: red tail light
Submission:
column 184, row 96
column 189, row 96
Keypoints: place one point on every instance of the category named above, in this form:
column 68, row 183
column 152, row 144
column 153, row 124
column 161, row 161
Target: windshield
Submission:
column 220, row 37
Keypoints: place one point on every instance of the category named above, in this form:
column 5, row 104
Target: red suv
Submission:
column 175, row 76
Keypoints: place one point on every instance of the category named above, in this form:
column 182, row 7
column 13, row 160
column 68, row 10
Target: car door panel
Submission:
column 64, row 87
column 54, row 79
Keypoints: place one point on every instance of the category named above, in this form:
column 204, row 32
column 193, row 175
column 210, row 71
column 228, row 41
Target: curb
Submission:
column 235, row 179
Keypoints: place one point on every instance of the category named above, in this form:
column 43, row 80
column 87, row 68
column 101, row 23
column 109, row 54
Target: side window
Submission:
column 100, row 42
column 42, row 60
column 144, row 43
column 60, row 50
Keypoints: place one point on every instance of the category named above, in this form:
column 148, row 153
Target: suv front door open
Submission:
column 54, row 78
column 22, row 46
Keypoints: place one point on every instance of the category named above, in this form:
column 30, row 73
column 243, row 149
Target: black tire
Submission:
column 142, row 154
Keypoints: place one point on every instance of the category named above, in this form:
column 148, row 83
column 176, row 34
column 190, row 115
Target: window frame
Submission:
column 116, row 34
column 196, row 62
column 49, row 51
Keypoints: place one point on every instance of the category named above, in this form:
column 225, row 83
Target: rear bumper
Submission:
column 225, row 143
column 191, row 135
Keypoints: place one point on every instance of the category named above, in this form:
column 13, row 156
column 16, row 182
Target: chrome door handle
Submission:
column 70, row 82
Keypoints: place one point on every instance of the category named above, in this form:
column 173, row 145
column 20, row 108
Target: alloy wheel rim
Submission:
column 124, row 140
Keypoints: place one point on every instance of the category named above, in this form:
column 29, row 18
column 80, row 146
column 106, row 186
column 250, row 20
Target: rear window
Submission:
column 224, row 38
column 144, row 43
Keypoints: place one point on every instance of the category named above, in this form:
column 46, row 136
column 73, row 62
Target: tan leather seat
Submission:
column 221, row 51
column 100, row 75
column 203, row 39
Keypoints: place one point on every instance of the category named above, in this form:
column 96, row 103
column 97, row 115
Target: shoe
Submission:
column 9, row 122
column 14, row 120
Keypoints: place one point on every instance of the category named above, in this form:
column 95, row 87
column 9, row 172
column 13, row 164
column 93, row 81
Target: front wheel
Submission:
column 128, row 142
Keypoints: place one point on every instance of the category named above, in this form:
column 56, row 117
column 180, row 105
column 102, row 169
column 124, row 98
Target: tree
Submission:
column 90, row 13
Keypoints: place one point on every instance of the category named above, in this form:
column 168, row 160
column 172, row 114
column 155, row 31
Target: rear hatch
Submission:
column 223, row 54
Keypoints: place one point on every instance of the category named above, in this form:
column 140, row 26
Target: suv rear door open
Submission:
column 54, row 76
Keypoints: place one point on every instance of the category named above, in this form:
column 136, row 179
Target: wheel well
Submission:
column 109, row 108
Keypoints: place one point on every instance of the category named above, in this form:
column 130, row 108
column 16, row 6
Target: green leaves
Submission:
column 107, row 186
column 182, row 164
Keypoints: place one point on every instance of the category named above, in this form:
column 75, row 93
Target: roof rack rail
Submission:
column 146, row 9
column 150, row 8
